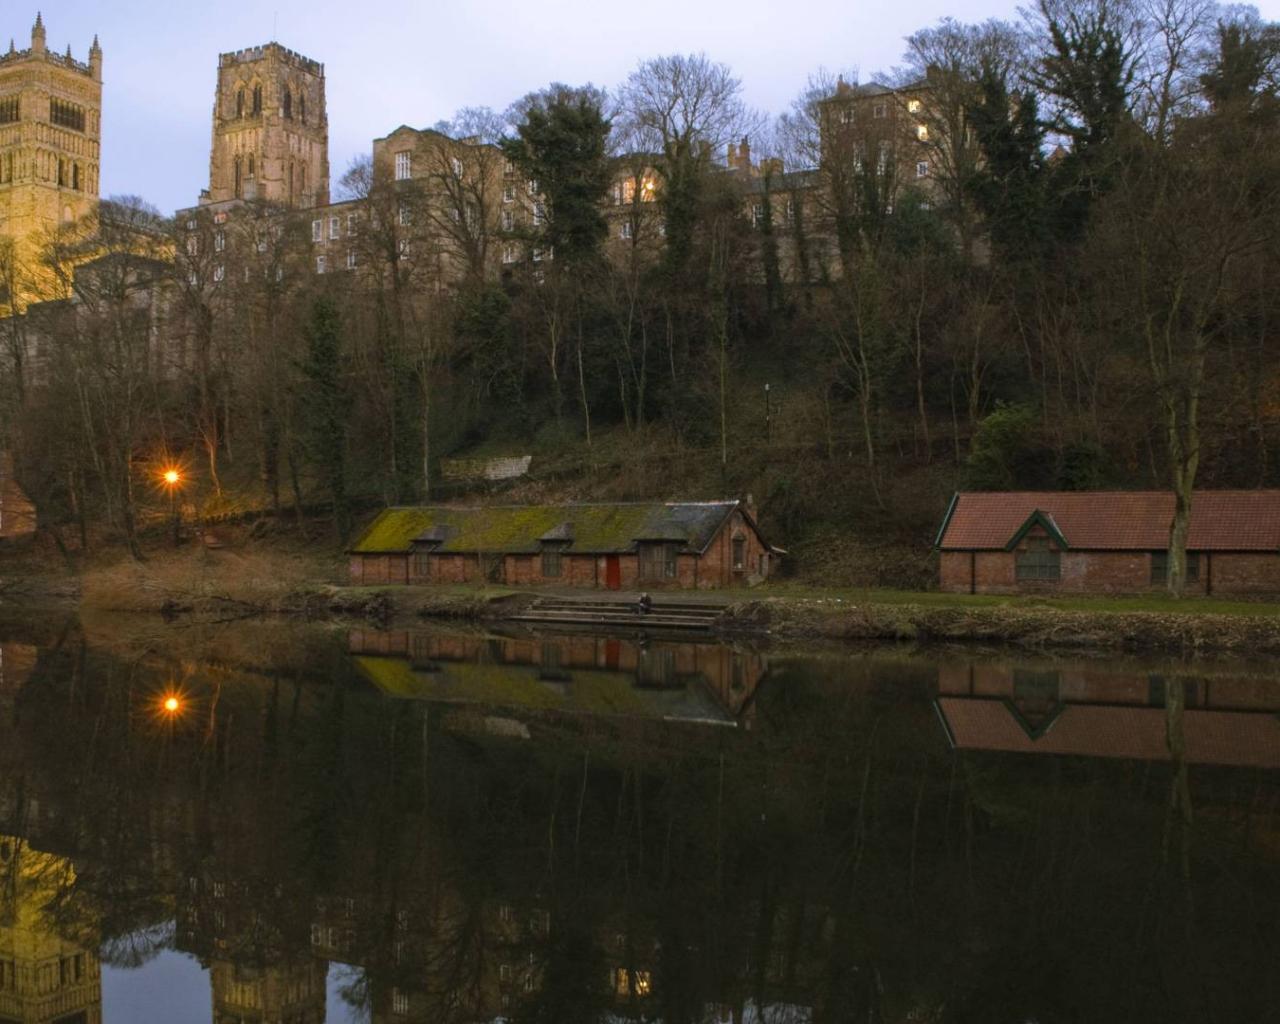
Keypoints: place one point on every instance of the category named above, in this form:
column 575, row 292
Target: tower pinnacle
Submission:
column 37, row 35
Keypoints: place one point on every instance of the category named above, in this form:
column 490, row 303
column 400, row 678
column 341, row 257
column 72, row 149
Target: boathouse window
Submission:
column 1039, row 561
column 739, row 554
column 1160, row 567
column 658, row 560
column 551, row 559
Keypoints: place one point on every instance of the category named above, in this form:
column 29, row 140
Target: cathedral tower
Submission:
column 270, row 129
column 50, row 132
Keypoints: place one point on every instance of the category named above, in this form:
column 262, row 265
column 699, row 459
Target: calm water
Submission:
column 261, row 823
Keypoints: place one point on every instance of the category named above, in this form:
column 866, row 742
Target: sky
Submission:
column 393, row 62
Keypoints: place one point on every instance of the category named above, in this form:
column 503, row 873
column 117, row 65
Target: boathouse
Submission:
column 688, row 545
column 1107, row 542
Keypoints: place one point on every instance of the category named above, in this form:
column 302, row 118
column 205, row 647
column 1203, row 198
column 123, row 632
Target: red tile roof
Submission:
column 1091, row 730
column 1116, row 520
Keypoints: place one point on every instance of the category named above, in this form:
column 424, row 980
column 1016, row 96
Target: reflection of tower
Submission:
column 43, row 976
column 50, row 129
column 270, row 129
column 284, row 993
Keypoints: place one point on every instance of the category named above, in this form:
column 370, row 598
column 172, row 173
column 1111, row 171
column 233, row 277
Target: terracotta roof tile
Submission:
column 1117, row 520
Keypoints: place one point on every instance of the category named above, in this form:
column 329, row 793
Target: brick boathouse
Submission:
column 690, row 545
column 1107, row 542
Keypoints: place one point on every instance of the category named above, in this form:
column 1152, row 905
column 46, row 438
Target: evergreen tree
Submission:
column 327, row 405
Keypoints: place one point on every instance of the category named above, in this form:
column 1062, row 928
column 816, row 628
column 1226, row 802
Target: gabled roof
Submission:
column 522, row 529
column 1115, row 520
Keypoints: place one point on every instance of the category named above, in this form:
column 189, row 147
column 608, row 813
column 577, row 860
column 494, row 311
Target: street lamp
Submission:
column 172, row 479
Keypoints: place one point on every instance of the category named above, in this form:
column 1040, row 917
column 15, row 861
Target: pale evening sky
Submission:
column 392, row 62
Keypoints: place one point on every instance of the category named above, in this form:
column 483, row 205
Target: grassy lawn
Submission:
column 1160, row 603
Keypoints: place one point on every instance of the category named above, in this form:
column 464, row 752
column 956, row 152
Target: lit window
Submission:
column 317, row 231
column 628, row 190
column 922, row 169
column 913, row 106
column 335, row 227
column 319, row 264
column 404, row 166
column 624, row 231
column 922, row 132
column 649, row 191
column 220, row 217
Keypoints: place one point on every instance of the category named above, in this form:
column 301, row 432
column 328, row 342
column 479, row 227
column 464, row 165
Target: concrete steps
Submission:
column 662, row 615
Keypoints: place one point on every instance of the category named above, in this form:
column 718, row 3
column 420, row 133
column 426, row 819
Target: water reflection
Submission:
column 459, row 827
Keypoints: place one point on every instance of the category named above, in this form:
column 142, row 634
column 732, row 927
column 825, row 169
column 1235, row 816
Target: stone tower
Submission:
column 50, row 133
column 270, row 129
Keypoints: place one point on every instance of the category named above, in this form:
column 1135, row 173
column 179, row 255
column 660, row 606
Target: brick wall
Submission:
column 1107, row 572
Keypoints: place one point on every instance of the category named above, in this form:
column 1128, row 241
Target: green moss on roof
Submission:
column 516, row 529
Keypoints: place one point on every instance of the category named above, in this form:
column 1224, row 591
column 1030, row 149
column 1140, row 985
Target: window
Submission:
column 351, row 224
column 287, row 105
column 1160, row 567
column 532, row 186
column 551, row 559
column 8, row 110
column 279, row 273
column 351, row 259
column 399, row 1002
column 219, row 241
column 66, row 115
column 628, row 190
column 1038, row 561
column 193, row 245
column 880, row 110
column 757, row 214
column 335, row 227
column 739, row 554
column 509, row 254
column 193, row 279
column 658, row 560
column 913, row 106
column 404, row 166
column 257, row 100
column 539, row 214
column 508, row 220
column 405, row 215
column 302, row 108
column 455, row 165
column 251, row 165
column 317, row 231
column 624, row 229
column 537, row 254
column 403, row 247
column 922, row 169
column 319, row 264
column 508, row 193
column 219, row 272
column 240, row 102
column 922, row 132
column 421, row 562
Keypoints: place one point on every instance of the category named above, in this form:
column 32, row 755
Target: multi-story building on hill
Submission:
column 50, row 134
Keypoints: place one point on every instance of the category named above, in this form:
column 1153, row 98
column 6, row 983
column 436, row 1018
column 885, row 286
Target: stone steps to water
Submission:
column 673, row 615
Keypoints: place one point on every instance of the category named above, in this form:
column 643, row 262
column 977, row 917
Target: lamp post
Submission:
column 172, row 481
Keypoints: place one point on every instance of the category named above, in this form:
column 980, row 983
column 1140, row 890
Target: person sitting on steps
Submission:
column 644, row 604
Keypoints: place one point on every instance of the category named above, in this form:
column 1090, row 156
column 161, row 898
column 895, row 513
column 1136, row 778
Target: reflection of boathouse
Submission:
column 1096, row 711
column 595, row 675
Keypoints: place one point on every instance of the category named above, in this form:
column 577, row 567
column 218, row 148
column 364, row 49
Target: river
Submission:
column 261, row 822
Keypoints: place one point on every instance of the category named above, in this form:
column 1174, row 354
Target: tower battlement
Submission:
column 256, row 53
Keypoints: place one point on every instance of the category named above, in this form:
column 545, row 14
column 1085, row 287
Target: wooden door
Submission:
column 613, row 572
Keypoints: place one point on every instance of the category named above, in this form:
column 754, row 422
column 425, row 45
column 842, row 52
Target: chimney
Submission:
column 744, row 155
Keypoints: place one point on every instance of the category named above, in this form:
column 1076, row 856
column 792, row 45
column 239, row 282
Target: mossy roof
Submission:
column 522, row 529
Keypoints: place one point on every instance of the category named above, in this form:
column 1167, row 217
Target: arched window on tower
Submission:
column 287, row 105
column 302, row 107
column 251, row 165
column 62, row 171
column 304, row 179
column 291, row 172
column 75, row 177
column 257, row 100
column 236, row 193
column 240, row 102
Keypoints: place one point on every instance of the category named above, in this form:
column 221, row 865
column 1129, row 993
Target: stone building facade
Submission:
column 50, row 137
column 270, row 129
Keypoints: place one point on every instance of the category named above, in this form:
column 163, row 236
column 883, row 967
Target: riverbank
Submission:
column 303, row 580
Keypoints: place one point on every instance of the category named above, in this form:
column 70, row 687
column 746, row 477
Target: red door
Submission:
column 612, row 572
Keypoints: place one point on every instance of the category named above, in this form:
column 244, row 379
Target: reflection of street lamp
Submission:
column 172, row 479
